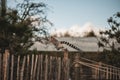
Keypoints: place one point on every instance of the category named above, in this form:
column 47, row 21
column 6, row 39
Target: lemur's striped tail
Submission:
column 58, row 44
column 69, row 44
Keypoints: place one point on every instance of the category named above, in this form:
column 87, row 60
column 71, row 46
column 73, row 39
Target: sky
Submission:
column 71, row 12
column 65, row 14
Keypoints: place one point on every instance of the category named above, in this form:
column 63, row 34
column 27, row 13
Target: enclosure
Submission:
column 48, row 67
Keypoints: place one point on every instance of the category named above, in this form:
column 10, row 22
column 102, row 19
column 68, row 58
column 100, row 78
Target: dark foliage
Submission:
column 20, row 28
column 110, row 41
column 90, row 34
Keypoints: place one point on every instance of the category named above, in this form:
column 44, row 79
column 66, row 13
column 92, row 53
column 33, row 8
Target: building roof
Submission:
column 87, row 44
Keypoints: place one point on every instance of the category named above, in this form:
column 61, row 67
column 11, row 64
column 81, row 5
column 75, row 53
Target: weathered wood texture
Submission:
column 46, row 67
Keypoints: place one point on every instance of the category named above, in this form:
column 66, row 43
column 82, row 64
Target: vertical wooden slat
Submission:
column 32, row 64
column 38, row 68
column 66, row 65
column 0, row 66
column 35, row 65
column 93, row 73
column 46, row 67
column 59, row 69
column 119, row 74
column 56, row 68
column 12, row 65
column 50, row 71
column 41, row 67
column 53, row 68
column 18, row 67
column 110, row 72
column 27, row 68
column 5, row 64
column 115, row 73
column 8, row 66
column 96, row 73
column 22, row 69
column 107, row 73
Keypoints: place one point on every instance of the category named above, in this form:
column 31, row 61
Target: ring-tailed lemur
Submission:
column 58, row 44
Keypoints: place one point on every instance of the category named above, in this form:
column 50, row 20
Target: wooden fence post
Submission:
column 6, row 57
column 78, row 72
column 66, row 65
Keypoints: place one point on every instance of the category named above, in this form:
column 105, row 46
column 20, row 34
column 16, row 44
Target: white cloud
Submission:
column 78, row 31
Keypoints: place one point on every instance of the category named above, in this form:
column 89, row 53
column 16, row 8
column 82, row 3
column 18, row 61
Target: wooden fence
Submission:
column 44, row 67
column 33, row 67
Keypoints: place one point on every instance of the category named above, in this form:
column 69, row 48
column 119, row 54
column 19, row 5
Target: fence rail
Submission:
column 44, row 67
